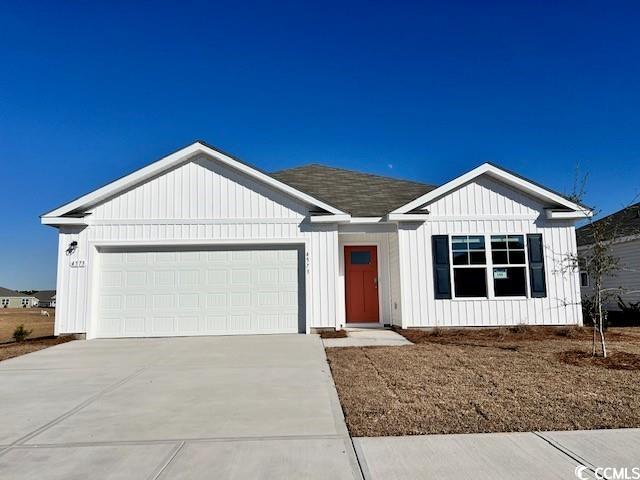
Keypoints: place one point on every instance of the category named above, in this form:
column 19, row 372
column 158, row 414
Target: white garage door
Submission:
column 213, row 292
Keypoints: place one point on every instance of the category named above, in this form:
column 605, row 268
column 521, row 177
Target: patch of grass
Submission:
column 12, row 350
column 31, row 318
column 569, row 332
column 519, row 329
column 333, row 334
column 489, row 380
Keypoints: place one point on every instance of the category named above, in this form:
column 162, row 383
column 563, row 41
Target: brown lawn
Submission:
column 10, row 350
column 10, row 318
column 491, row 380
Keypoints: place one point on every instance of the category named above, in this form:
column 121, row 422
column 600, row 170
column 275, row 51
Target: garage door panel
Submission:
column 163, row 325
column 168, row 293
column 134, row 326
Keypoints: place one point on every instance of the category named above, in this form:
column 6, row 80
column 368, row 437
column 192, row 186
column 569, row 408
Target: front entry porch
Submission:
column 369, row 278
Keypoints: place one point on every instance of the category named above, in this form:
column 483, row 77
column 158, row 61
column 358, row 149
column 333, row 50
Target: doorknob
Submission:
column 375, row 281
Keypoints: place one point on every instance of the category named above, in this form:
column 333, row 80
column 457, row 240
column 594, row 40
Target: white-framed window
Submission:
column 489, row 266
column 469, row 264
column 509, row 259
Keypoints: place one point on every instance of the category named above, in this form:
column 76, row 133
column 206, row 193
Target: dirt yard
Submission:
column 10, row 318
column 492, row 380
column 10, row 350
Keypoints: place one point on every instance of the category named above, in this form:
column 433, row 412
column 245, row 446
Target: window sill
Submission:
column 465, row 299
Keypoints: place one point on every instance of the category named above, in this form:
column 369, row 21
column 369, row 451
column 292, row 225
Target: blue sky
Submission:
column 425, row 90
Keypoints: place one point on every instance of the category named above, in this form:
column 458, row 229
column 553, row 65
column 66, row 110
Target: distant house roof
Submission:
column 625, row 222
column 45, row 295
column 6, row 292
column 360, row 194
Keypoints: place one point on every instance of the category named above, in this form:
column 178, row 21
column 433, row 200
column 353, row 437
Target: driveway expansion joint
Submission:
column 77, row 408
column 167, row 461
column 567, row 452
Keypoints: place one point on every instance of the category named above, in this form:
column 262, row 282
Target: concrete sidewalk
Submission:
column 368, row 337
column 495, row 456
column 197, row 408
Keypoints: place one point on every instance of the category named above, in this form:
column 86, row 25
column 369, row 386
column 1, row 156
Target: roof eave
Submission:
column 181, row 156
column 515, row 181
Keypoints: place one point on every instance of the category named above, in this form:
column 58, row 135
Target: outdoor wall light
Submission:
column 72, row 247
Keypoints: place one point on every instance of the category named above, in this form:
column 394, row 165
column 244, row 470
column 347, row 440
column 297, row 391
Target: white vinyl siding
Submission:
column 487, row 207
column 168, row 210
column 627, row 277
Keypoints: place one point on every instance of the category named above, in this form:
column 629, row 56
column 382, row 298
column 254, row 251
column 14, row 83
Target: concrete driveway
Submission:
column 204, row 407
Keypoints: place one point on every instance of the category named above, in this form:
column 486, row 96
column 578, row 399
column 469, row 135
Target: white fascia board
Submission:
column 567, row 215
column 366, row 219
column 407, row 217
column 176, row 158
column 55, row 221
column 506, row 177
column 345, row 219
column 340, row 218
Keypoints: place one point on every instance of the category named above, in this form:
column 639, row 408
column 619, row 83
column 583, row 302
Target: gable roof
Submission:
column 623, row 223
column 45, row 295
column 360, row 194
column 334, row 191
column 514, row 180
column 176, row 158
column 6, row 292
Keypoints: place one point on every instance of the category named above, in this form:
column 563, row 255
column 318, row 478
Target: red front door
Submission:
column 361, row 277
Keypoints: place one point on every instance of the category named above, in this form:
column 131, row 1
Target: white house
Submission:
column 200, row 243
column 623, row 227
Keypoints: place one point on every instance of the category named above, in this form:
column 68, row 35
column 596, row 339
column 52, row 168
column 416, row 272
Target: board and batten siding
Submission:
column 486, row 206
column 201, row 202
column 628, row 275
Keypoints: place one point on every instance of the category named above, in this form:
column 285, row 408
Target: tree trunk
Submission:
column 594, row 319
column 602, row 342
column 601, row 323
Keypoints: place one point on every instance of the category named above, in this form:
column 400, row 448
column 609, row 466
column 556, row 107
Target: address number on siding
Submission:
column 78, row 263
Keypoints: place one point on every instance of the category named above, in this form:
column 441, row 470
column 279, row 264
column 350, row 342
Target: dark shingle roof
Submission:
column 360, row 194
column 45, row 295
column 5, row 292
column 622, row 223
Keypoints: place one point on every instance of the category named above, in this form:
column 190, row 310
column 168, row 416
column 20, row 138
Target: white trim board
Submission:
column 181, row 156
column 502, row 175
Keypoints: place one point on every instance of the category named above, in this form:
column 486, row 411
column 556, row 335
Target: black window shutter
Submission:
column 441, row 272
column 536, row 265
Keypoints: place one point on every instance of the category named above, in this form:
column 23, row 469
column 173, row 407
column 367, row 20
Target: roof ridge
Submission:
column 359, row 172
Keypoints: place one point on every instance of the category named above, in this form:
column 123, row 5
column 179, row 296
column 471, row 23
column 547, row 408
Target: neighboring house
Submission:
column 46, row 298
column 200, row 243
column 625, row 228
column 13, row 299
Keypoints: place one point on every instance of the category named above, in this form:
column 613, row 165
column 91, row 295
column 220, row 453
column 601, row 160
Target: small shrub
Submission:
column 333, row 334
column 21, row 333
